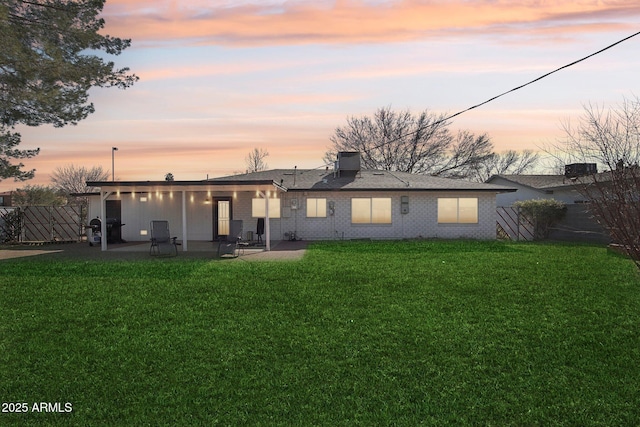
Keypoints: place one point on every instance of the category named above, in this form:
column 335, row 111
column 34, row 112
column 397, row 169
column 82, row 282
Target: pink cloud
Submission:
column 352, row 21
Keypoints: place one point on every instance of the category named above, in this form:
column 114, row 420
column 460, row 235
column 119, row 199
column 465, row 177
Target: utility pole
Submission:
column 113, row 172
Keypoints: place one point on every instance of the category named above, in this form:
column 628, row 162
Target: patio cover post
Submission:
column 267, row 232
column 267, row 229
column 184, row 221
column 103, row 219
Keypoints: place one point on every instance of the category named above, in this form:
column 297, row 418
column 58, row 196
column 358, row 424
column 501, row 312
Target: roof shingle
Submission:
column 366, row 179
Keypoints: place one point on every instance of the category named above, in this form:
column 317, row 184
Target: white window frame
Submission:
column 316, row 207
column 257, row 208
column 371, row 217
column 462, row 214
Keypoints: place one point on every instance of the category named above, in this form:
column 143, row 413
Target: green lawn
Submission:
column 357, row 333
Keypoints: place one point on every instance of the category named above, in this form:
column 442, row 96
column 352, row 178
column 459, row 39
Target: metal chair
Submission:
column 161, row 241
column 260, row 229
column 231, row 244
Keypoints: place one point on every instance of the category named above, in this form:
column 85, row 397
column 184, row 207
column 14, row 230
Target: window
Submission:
column 316, row 208
column 257, row 208
column 458, row 210
column 365, row 210
column 224, row 216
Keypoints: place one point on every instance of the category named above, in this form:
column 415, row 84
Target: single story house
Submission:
column 346, row 202
column 578, row 224
column 5, row 198
column 529, row 187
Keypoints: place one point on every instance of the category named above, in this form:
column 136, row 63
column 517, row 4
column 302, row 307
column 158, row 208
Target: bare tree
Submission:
column 553, row 162
column 508, row 162
column 71, row 182
column 400, row 141
column 467, row 155
column 73, row 179
column 610, row 137
column 606, row 136
column 255, row 160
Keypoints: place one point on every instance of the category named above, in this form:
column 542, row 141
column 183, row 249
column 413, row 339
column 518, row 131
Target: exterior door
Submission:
column 114, row 221
column 222, row 214
column 114, row 209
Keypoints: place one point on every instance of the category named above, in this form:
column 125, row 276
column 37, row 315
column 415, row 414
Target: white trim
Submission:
column 103, row 219
column 184, row 221
column 267, row 231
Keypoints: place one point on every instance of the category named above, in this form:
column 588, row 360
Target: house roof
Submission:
column 365, row 180
column 203, row 185
column 548, row 182
column 539, row 182
column 314, row 180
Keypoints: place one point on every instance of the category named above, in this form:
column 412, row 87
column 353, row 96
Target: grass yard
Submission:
column 357, row 333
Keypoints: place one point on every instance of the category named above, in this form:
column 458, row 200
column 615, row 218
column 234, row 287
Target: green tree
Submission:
column 48, row 63
column 543, row 213
column 38, row 195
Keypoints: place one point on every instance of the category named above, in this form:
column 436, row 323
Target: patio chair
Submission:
column 232, row 243
column 161, row 241
column 260, row 229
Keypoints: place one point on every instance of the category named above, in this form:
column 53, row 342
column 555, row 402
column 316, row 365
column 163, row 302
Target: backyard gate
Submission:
column 578, row 225
column 38, row 224
column 512, row 225
column 9, row 224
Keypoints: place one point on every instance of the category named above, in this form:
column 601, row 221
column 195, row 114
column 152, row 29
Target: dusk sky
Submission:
column 220, row 77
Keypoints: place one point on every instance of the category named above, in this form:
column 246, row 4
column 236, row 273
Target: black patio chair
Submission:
column 161, row 241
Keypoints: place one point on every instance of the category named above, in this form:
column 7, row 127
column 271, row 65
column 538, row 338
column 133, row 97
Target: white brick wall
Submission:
column 136, row 214
column 421, row 221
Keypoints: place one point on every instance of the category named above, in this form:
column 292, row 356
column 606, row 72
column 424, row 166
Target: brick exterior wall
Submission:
column 420, row 222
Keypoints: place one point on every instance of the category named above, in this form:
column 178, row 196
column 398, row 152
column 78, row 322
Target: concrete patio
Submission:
column 280, row 249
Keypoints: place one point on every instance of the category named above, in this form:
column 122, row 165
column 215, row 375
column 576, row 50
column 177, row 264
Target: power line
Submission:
column 507, row 92
column 502, row 94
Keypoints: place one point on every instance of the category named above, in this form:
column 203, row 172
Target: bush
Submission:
column 543, row 213
column 10, row 225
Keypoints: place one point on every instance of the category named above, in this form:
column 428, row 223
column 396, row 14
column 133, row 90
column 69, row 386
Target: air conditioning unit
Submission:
column 576, row 170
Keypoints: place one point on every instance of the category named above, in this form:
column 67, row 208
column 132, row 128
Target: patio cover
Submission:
column 261, row 186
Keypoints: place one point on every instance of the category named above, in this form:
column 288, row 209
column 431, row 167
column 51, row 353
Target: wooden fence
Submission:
column 38, row 224
column 513, row 225
column 578, row 225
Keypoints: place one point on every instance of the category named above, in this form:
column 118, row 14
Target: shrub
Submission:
column 10, row 225
column 543, row 213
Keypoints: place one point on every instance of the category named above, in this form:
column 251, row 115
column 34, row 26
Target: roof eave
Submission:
column 186, row 185
column 412, row 189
